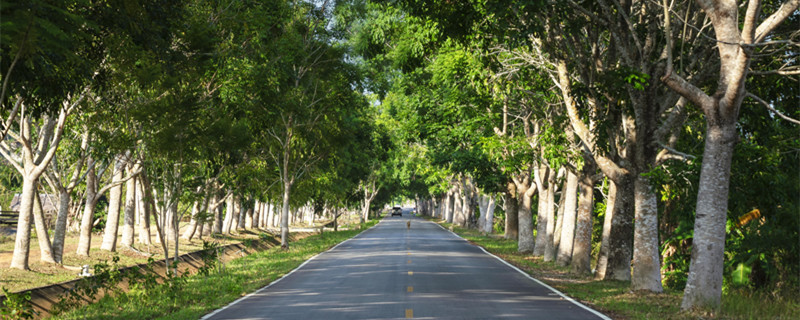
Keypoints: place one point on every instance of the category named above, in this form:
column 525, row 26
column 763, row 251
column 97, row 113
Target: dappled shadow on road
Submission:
column 391, row 269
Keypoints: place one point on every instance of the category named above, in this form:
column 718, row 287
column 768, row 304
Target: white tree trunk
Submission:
column 549, row 245
column 704, row 284
column 60, row 232
column 568, row 225
column 229, row 209
column 285, row 215
column 582, row 249
column 488, row 224
column 85, row 240
column 512, row 204
column 614, row 262
column 45, row 248
column 130, row 212
column 112, row 218
column 143, row 209
column 646, row 257
column 22, row 244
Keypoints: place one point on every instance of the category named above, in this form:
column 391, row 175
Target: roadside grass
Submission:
column 615, row 299
column 193, row 296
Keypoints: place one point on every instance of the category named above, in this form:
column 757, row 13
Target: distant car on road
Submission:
column 397, row 211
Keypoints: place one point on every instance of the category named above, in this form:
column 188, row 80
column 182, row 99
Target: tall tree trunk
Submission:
column 191, row 229
column 218, row 220
column 85, row 240
column 130, row 211
column 614, row 262
column 542, row 174
column 451, row 203
column 582, row 249
column 562, row 200
column 287, row 189
column 229, row 209
column 143, row 206
column 45, row 248
column 112, row 217
column 549, row 245
column 248, row 217
column 60, row 233
column 22, row 245
column 525, row 237
column 704, row 285
column 458, row 203
column 488, row 225
column 512, row 203
column 256, row 214
column 270, row 215
column 568, row 225
column 646, row 258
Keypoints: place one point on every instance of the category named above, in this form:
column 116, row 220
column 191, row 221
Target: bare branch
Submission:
column 765, row 104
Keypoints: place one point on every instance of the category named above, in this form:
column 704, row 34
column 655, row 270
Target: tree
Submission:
column 736, row 47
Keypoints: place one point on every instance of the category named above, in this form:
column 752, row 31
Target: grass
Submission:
column 198, row 294
column 615, row 299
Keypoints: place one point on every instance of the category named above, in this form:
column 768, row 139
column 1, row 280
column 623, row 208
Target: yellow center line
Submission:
column 411, row 273
column 410, row 289
column 409, row 261
column 409, row 313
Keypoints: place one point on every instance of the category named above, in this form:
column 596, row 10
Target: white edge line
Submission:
column 208, row 316
column 595, row 312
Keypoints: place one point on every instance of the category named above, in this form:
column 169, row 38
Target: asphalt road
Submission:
column 392, row 272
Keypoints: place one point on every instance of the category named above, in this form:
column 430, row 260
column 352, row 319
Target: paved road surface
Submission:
column 390, row 272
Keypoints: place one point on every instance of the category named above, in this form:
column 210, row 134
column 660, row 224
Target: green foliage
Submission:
column 16, row 306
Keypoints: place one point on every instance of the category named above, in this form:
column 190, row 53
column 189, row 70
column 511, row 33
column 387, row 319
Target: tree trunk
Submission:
column 488, row 224
column 568, row 225
column 85, row 241
column 549, row 245
column 270, row 215
column 130, row 211
column 704, row 284
column 458, row 211
column 256, row 214
column 285, row 215
column 248, row 217
column 143, row 207
column 582, row 248
column 451, row 203
column 22, row 245
column 541, row 175
column 218, row 221
column 191, row 229
column 229, row 208
column 112, row 217
column 60, row 233
column 559, row 217
column 646, row 258
column 239, row 215
column 525, row 237
column 45, row 248
column 614, row 262
column 512, row 211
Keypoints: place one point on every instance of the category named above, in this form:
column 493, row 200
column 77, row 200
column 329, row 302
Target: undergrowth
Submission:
column 191, row 296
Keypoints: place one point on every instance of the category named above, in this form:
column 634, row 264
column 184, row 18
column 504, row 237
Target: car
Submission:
column 397, row 211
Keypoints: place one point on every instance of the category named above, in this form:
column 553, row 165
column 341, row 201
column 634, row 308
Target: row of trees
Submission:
column 178, row 109
column 635, row 112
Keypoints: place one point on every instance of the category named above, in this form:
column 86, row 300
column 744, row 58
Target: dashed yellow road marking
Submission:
column 409, row 253
column 411, row 273
column 409, row 261
column 410, row 289
column 409, row 313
